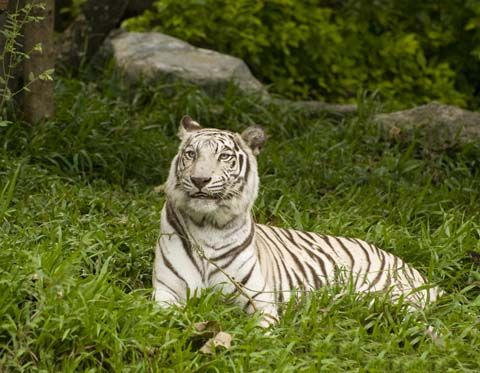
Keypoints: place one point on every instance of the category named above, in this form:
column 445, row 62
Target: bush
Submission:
column 412, row 52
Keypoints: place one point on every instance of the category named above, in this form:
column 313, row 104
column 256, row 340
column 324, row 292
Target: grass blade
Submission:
column 8, row 190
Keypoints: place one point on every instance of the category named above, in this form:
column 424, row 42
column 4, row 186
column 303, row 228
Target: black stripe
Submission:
column 247, row 169
column 176, row 165
column 413, row 278
column 300, row 282
column 259, row 292
column 277, row 283
column 317, row 246
column 316, row 280
column 271, row 268
column 246, row 261
column 315, row 253
column 245, row 279
column 291, row 285
column 314, row 256
column 288, row 235
column 241, row 160
column 173, row 221
column 172, row 269
column 390, row 271
column 279, row 289
column 342, row 245
column 326, row 239
column 235, row 250
column 314, row 237
column 168, row 287
column 380, row 271
column 227, row 264
column 367, row 256
column 295, row 258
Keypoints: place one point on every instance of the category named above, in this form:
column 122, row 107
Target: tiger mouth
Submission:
column 201, row 195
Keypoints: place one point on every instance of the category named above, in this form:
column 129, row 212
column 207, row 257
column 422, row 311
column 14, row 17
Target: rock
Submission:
column 157, row 57
column 318, row 108
column 443, row 124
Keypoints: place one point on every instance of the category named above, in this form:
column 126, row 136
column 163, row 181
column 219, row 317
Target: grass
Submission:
column 80, row 219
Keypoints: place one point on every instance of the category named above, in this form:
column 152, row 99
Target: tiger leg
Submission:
column 164, row 297
column 269, row 311
column 258, row 297
column 163, row 294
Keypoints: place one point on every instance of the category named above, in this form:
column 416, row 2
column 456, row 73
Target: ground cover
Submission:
column 79, row 219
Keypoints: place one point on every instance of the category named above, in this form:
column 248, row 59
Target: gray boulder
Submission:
column 157, row 57
column 443, row 124
column 317, row 108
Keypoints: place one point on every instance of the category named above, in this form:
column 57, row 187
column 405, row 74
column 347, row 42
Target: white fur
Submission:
column 199, row 236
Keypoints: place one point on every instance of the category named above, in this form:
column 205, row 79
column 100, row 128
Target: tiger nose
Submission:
column 200, row 182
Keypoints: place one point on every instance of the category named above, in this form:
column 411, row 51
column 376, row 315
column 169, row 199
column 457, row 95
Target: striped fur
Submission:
column 209, row 239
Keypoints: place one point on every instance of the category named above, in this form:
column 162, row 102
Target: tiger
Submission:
column 209, row 239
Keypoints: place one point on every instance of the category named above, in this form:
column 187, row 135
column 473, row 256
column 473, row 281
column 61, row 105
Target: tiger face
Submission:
column 213, row 178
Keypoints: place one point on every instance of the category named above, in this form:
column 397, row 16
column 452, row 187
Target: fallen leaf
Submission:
column 222, row 339
column 394, row 132
column 211, row 327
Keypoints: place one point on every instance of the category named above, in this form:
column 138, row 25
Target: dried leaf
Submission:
column 200, row 326
column 394, row 132
column 211, row 327
column 222, row 339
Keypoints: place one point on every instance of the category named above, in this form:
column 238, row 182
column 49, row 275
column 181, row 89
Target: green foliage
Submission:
column 77, row 236
column 411, row 51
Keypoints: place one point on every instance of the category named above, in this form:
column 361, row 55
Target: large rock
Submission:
column 443, row 124
column 157, row 57
column 317, row 108
column 161, row 58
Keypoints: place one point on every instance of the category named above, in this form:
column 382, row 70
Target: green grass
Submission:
column 80, row 219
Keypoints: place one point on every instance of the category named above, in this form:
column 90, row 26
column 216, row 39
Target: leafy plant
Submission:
column 412, row 52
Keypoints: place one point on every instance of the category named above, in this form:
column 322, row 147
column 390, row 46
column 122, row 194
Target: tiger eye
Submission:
column 225, row 156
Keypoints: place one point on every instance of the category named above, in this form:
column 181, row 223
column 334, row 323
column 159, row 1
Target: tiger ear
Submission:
column 255, row 138
column 187, row 124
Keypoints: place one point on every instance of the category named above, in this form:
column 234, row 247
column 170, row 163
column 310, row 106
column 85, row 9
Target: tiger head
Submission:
column 213, row 178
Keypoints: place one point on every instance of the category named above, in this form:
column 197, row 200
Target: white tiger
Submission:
column 209, row 238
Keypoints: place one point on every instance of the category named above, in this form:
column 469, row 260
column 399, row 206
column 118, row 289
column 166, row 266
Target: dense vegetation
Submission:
column 79, row 214
column 79, row 219
column 411, row 51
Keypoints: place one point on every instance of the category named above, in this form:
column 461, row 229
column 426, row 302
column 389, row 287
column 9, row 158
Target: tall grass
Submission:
column 80, row 220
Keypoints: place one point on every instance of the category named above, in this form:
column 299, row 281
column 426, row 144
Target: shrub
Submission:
column 412, row 52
